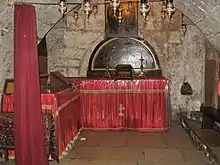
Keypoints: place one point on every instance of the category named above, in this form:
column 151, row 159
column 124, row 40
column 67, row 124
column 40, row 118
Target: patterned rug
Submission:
column 7, row 131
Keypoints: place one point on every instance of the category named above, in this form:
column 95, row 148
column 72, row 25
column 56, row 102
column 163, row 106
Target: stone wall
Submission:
column 189, row 66
column 71, row 48
column 181, row 56
column 44, row 23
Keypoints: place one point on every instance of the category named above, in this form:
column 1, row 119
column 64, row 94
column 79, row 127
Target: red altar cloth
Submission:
column 133, row 104
column 65, row 107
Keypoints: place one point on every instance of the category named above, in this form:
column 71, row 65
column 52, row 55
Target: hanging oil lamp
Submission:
column 95, row 9
column 184, row 29
column 170, row 9
column 163, row 9
column 115, row 4
column 87, row 9
column 144, row 9
column 76, row 16
column 62, row 7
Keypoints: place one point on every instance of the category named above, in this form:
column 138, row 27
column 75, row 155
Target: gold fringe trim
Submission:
column 122, row 91
column 62, row 106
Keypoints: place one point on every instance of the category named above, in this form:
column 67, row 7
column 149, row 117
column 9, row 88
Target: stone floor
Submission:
column 134, row 148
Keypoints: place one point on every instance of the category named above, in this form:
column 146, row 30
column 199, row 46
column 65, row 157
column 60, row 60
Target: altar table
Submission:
column 139, row 104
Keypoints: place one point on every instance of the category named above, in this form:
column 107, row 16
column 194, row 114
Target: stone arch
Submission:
column 136, row 47
column 178, row 4
column 200, row 12
column 203, row 14
column 87, row 55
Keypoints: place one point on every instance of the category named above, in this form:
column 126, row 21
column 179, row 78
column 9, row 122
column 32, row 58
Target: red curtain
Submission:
column 30, row 146
column 219, row 88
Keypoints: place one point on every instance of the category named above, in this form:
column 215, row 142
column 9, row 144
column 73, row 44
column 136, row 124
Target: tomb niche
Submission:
column 114, row 53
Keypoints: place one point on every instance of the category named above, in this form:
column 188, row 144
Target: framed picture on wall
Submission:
column 122, row 22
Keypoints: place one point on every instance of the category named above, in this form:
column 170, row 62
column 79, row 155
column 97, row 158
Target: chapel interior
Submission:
column 109, row 82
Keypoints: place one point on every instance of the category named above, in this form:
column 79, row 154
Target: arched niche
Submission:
column 113, row 51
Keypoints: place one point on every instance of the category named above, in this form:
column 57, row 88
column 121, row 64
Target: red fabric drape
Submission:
column 48, row 103
column 142, row 102
column 7, row 103
column 30, row 146
column 67, row 119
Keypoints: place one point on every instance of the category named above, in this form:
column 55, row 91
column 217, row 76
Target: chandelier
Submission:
column 89, row 8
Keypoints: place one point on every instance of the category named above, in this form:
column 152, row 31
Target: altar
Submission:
column 69, row 106
column 125, row 104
